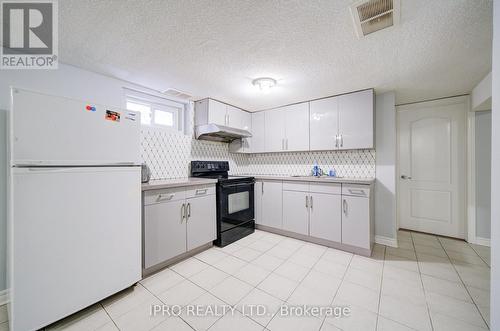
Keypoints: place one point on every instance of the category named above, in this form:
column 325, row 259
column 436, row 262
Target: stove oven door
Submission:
column 236, row 203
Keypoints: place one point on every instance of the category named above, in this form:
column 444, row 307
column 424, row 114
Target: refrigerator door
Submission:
column 49, row 130
column 75, row 237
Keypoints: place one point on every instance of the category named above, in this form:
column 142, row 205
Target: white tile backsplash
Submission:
column 355, row 163
column 168, row 155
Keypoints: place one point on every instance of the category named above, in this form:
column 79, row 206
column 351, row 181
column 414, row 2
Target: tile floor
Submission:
column 428, row 283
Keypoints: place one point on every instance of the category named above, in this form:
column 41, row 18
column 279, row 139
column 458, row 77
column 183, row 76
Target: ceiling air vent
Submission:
column 374, row 15
column 178, row 94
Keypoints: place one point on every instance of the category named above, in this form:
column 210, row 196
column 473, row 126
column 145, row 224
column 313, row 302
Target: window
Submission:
column 142, row 108
column 156, row 111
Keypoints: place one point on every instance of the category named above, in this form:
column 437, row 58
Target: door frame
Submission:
column 471, row 182
column 469, row 205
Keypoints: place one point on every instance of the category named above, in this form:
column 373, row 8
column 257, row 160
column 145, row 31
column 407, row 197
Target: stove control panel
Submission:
column 209, row 166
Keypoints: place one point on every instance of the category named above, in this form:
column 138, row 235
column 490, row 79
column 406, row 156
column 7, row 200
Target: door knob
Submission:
column 405, row 177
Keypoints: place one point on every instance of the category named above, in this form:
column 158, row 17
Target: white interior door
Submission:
column 432, row 176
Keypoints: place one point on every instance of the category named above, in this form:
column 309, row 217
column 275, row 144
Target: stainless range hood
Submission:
column 216, row 132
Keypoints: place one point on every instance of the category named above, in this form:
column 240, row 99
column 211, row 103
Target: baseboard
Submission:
column 482, row 241
column 387, row 241
column 4, row 297
column 328, row 243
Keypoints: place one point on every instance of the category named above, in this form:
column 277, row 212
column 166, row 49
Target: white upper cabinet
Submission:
column 210, row 111
column 216, row 112
column 324, row 124
column 356, row 125
column 287, row 128
column 275, row 130
column 336, row 123
column 342, row 122
column 297, row 127
column 257, row 143
column 239, row 119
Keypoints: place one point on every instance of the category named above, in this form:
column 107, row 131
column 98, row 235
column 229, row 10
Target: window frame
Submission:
column 156, row 103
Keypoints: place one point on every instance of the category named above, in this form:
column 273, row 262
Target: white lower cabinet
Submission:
column 338, row 213
column 176, row 221
column 270, row 194
column 325, row 219
column 164, row 232
column 296, row 212
column 258, row 202
column 200, row 215
column 356, row 221
column 308, row 212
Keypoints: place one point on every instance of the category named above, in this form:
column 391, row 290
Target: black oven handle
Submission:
column 236, row 185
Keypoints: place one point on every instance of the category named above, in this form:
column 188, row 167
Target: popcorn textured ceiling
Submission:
column 216, row 48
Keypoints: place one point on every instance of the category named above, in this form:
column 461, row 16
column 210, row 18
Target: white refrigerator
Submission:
column 74, row 229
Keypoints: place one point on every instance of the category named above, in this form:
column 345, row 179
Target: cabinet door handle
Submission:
column 183, row 212
column 262, row 187
column 344, row 206
column 336, row 141
column 341, row 141
column 188, row 211
column 307, row 201
column 162, row 197
column 311, row 202
column 201, row 191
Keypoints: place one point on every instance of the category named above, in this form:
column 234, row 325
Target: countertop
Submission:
column 323, row 179
column 179, row 182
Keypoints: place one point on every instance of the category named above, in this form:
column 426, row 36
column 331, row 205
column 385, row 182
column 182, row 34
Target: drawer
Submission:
column 356, row 190
column 329, row 188
column 164, row 195
column 296, row 186
column 199, row 191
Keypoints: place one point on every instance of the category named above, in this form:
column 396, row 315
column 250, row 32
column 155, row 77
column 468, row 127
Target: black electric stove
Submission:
column 235, row 200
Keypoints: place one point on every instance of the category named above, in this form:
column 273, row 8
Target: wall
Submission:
column 3, row 198
column 80, row 84
column 495, row 174
column 483, row 174
column 481, row 95
column 385, row 185
column 168, row 153
column 357, row 164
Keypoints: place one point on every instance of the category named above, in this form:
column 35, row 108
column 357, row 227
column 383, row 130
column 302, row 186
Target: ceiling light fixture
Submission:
column 264, row 83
